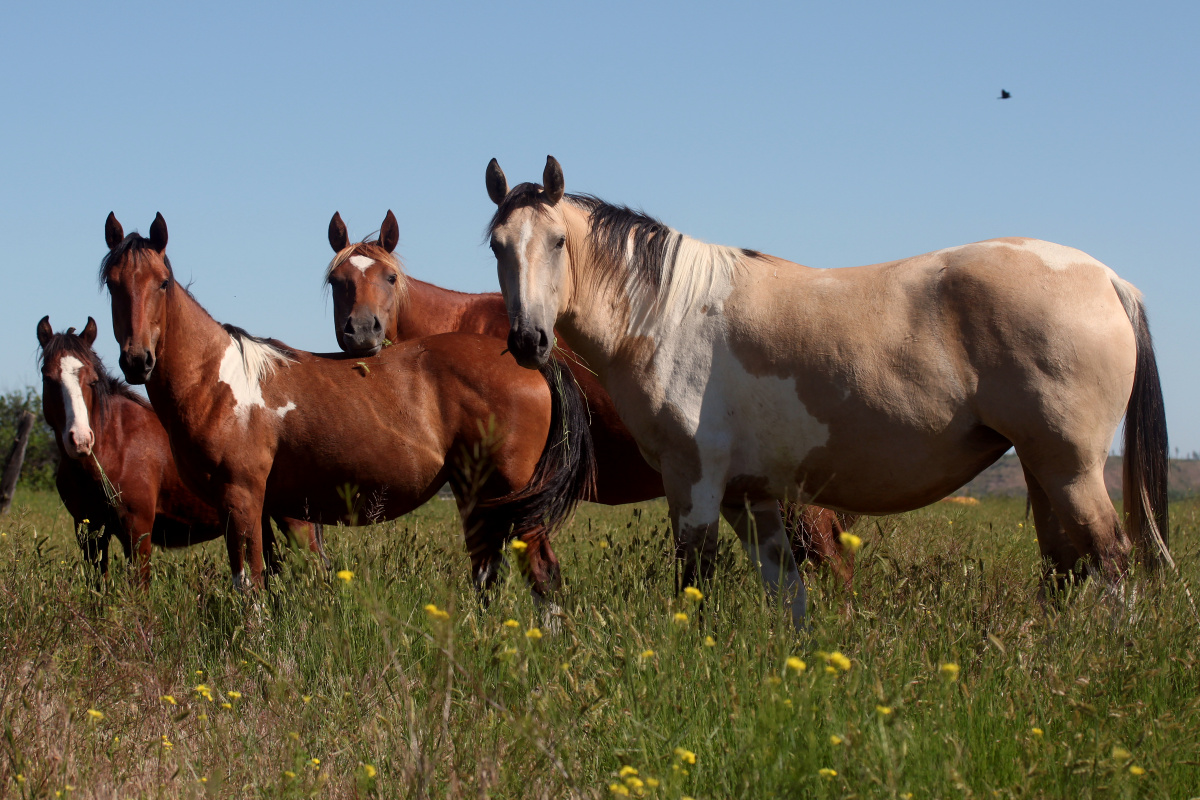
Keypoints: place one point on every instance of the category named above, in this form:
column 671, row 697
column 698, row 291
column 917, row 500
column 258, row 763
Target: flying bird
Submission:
column 1004, row 94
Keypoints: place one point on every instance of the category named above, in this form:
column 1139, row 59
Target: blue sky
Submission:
column 829, row 134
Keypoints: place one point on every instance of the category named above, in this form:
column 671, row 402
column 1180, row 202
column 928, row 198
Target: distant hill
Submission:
column 1005, row 478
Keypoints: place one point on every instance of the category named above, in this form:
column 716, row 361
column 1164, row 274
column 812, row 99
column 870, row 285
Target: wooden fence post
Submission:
column 16, row 457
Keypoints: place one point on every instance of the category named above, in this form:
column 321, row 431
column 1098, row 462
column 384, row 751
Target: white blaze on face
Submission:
column 78, row 433
column 362, row 262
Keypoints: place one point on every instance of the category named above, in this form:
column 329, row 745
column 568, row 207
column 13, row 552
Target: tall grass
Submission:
column 392, row 681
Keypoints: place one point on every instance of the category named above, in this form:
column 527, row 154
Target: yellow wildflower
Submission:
column 1037, row 732
column 840, row 661
column 166, row 743
column 884, row 710
column 316, row 762
column 168, row 699
column 533, row 634
column 345, row 575
column 680, row 618
column 96, row 715
column 307, row 698
column 1121, row 754
column 617, row 788
column 634, row 783
column 647, row 654
column 369, row 770
column 518, row 546
column 850, row 542
column 226, row 705
column 686, row 756
column 773, row 680
column 511, row 623
column 710, row 641
column 436, row 613
column 835, row 740
column 692, row 593
column 830, row 670
column 234, row 695
column 289, row 774
column 626, row 771
column 1134, row 769
column 949, row 671
column 795, row 664
column 826, row 772
column 20, row 778
column 652, row 783
column 203, row 717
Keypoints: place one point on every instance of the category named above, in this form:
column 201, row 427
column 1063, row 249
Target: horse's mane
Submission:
column 260, row 356
column 133, row 246
column 107, row 388
column 661, row 269
column 369, row 248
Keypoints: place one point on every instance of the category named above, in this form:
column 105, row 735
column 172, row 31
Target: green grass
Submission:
column 357, row 673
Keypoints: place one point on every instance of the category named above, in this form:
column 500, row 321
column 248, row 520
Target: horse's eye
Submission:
column 392, row 278
column 495, row 247
column 165, row 284
column 562, row 240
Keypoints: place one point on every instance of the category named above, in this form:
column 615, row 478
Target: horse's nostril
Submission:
column 378, row 327
column 348, row 329
column 543, row 341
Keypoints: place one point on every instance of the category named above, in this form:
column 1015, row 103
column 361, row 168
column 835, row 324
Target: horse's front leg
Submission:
column 243, row 534
column 695, row 512
column 760, row 527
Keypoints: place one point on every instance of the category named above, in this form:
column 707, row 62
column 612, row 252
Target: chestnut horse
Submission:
column 251, row 420
column 99, row 423
column 375, row 303
column 746, row 378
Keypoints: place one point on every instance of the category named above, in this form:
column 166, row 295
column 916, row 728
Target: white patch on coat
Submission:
column 362, row 262
column 77, row 430
column 1055, row 256
column 283, row 410
column 244, row 365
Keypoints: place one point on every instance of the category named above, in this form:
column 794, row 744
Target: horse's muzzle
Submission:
column 136, row 368
column 361, row 335
column 529, row 344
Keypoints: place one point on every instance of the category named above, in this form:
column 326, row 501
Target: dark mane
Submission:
column 132, row 245
column 108, row 387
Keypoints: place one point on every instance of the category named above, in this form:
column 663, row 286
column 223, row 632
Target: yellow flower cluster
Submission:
column 518, row 546
column 680, row 618
column 826, row 772
column 834, row 662
column 511, row 623
column 949, row 671
column 533, row 634
column 694, row 594
column 796, row 665
column 686, row 756
column 851, row 542
column 345, row 575
column 95, row 715
column 205, row 692
column 436, row 613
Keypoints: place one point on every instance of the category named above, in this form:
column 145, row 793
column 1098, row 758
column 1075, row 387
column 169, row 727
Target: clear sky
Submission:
column 832, row 134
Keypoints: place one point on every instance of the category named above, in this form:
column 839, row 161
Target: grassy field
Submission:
column 351, row 687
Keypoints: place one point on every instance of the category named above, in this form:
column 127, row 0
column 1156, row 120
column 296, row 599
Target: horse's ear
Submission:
column 497, row 184
column 158, row 233
column 339, row 240
column 45, row 332
column 552, row 180
column 113, row 232
column 389, row 232
column 89, row 332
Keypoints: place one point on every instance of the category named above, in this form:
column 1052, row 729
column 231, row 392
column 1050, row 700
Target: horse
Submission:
column 746, row 378
column 106, row 432
column 376, row 303
column 344, row 439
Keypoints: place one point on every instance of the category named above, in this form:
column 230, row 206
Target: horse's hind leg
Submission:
column 1059, row 556
column 760, row 527
column 1080, row 507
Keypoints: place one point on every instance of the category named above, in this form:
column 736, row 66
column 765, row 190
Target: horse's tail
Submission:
column 1145, row 464
column 566, row 470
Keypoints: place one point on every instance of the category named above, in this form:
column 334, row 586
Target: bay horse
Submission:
column 100, row 424
column 746, row 378
column 376, row 303
column 252, row 420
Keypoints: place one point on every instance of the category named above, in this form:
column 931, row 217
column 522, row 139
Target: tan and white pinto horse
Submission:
column 879, row 389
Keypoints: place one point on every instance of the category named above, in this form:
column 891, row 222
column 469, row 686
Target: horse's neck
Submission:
column 189, row 356
column 432, row 309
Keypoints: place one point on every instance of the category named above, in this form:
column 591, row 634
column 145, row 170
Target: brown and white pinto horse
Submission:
column 99, row 423
column 746, row 378
column 251, row 420
column 375, row 302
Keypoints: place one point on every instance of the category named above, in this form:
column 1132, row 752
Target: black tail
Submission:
column 566, row 471
column 1146, row 463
